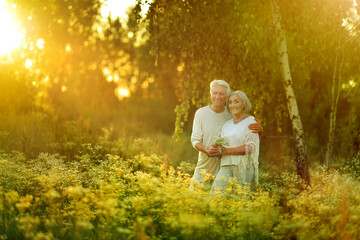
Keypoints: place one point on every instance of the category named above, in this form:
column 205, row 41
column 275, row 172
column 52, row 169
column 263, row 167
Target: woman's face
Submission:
column 236, row 105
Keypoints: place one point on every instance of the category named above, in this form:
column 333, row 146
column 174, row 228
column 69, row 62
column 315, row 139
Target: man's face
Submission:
column 218, row 95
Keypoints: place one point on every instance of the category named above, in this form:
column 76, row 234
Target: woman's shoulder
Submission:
column 250, row 119
column 230, row 121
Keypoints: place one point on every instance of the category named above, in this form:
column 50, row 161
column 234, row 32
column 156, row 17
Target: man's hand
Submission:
column 212, row 151
column 256, row 127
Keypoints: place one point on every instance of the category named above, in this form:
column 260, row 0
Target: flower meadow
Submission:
column 124, row 189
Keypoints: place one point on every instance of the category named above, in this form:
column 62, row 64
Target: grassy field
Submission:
column 138, row 188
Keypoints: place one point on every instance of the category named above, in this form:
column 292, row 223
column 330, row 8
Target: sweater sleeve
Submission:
column 252, row 146
column 251, row 142
column 197, row 132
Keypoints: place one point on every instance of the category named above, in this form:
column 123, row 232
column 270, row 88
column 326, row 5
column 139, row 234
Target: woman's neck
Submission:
column 239, row 117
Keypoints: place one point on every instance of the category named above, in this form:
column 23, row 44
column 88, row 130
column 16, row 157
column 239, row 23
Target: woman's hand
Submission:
column 212, row 151
column 223, row 150
column 240, row 150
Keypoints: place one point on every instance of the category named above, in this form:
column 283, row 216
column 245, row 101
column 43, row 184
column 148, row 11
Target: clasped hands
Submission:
column 213, row 151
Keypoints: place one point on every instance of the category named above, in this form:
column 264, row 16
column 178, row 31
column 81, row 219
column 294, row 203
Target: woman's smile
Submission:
column 236, row 105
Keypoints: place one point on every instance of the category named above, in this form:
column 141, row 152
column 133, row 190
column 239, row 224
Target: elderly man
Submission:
column 207, row 125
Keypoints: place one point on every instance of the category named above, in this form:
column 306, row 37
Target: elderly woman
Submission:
column 240, row 154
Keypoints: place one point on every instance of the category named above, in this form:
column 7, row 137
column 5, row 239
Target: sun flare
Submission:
column 122, row 92
column 11, row 36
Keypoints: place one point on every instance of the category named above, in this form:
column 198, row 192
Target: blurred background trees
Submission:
column 235, row 41
column 77, row 75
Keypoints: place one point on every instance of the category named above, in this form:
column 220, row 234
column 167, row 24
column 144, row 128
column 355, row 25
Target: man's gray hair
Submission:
column 221, row 83
column 244, row 99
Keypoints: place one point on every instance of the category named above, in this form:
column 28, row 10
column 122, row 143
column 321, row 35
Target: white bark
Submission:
column 298, row 132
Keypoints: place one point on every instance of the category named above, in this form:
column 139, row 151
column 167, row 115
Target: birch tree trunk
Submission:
column 302, row 164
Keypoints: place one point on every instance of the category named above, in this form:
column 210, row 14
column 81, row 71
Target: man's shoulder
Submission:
column 203, row 110
column 228, row 115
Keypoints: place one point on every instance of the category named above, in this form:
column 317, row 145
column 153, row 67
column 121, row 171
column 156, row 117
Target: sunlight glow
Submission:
column 106, row 71
column 46, row 79
column 133, row 80
column 352, row 20
column 145, row 84
column 28, row 63
column 40, row 43
column 68, row 47
column 180, row 68
column 119, row 8
column 11, row 36
column 116, row 8
column 122, row 92
column 116, row 77
column 350, row 84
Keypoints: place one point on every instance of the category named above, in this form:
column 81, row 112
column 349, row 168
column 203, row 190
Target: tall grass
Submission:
column 66, row 181
column 139, row 196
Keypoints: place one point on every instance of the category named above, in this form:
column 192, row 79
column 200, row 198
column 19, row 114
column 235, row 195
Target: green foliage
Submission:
column 14, row 173
column 221, row 141
column 352, row 166
column 75, row 164
column 142, row 196
column 241, row 49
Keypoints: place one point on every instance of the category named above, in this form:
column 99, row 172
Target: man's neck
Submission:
column 217, row 109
